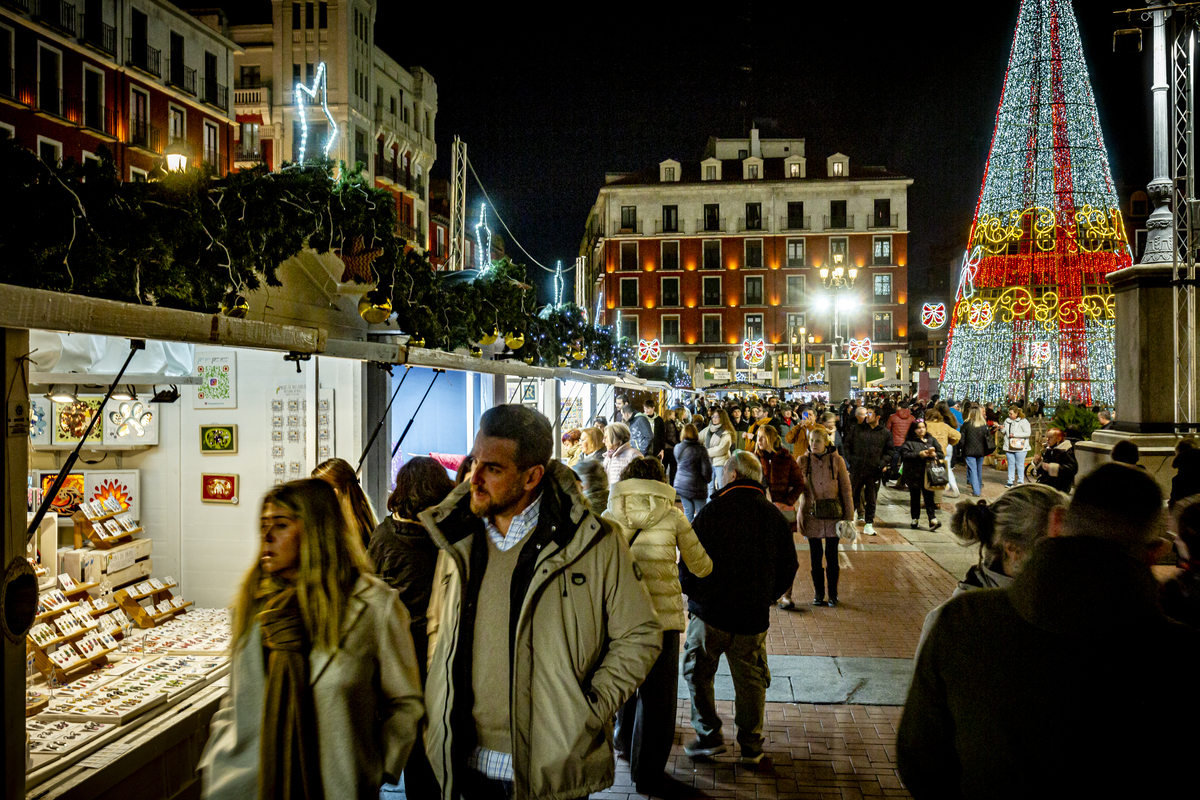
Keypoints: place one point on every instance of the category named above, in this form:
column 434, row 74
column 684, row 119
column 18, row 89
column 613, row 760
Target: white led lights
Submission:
column 320, row 84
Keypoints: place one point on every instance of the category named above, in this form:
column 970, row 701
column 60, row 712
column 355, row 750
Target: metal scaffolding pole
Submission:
column 1183, row 143
column 458, row 205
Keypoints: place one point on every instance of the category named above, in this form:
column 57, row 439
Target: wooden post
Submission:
column 13, row 472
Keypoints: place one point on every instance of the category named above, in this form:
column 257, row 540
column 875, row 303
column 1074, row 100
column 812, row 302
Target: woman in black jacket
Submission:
column 693, row 472
column 977, row 443
column 918, row 450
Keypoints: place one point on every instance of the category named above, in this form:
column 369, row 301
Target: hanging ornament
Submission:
column 131, row 419
column 980, row 314
column 375, row 306
column 608, row 365
column 562, row 361
column 933, row 315
column 860, row 350
column 489, row 338
column 416, row 340
column 476, row 352
column 649, row 351
column 528, row 359
column 234, row 305
column 515, row 341
column 357, row 259
column 1040, row 353
column 754, row 351
column 579, row 353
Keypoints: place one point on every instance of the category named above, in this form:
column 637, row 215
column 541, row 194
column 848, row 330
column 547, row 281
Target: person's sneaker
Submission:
column 752, row 756
column 868, row 529
column 698, row 748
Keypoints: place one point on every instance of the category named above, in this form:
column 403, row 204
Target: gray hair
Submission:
column 591, row 474
column 746, row 465
column 1020, row 518
column 617, row 433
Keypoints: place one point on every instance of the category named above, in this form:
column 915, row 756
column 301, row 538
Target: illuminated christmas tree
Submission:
column 1032, row 293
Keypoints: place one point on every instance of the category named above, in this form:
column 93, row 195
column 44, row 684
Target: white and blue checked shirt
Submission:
column 494, row 765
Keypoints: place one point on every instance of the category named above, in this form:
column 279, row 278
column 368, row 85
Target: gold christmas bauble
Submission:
column 375, row 306
column 562, row 361
column 417, row 340
column 608, row 365
column 489, row 338
column 515, row 341
column 234, row 305
column 476, row 352
column 528, row 360
column 579, row 353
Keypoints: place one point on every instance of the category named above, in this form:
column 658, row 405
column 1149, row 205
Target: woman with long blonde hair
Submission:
column 340, row 475
column 317, row 639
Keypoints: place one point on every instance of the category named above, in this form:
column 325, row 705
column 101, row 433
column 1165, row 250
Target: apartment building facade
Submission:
column 385, row 113
column 741, row 245
column 134, row 76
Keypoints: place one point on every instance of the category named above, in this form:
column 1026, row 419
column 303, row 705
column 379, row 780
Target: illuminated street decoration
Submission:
column 860, row 350
column 649, row 351
column 483, row 257
column 754, row 351
column 1047, row 232
column 319, row 84
column 933, row 315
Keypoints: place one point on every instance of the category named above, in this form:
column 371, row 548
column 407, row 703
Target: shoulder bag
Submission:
column 936, row 474
column 826, row 507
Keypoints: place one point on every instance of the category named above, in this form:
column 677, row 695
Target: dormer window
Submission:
column 793, row 170
column 710, row 173
column 752, row 171
column 711, row 169
column 837, row 169
column 668, row 173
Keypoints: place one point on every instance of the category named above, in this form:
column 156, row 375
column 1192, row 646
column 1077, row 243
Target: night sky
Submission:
column 913, row 87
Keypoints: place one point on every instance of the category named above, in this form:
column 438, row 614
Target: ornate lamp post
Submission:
column 837, row 280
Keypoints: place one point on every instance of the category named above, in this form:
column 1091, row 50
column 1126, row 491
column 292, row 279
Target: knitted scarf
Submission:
column 288, row 755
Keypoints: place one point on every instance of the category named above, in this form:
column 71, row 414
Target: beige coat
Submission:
column 585, row 637
column 944, row 434
column 647, row 509
column 367, row 696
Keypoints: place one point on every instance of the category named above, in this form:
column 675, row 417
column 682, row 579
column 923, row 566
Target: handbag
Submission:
column 828, row 507
column 936, row 475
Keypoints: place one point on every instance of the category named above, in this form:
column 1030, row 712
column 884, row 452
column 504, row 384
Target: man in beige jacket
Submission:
column 540, row 625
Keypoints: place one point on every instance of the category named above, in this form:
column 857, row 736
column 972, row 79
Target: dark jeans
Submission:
column 646, row 723
column 914, row 501
column 819, row 575
column 868, row 485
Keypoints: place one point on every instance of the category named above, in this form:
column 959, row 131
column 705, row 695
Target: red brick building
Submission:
column 136, row 77
column 703, row 255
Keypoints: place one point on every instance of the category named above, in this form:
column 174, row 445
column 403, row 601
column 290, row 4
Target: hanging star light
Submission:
column 558, row 284
column 319, row 84
column 933, row 315
column 483, row 258
column 754, row 351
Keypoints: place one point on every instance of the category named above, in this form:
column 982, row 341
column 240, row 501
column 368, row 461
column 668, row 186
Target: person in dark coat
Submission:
column 1056, row 465
column 754, row 562
column 977, row 443
column 781, row 473
column 1181, row 594
column 693, row 472
column 641, row 430
column 1014, row 685
column 1187, row 472
column 658, row 430
column 406, row 559
column 671, row 431
column 919, row 449
column 870, row 459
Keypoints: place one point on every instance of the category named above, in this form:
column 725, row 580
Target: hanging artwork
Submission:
column 39, row 421
column 288, row 414
column 71, row 420
column 218, row 439
column 130, row 423
column 218, row 374
column 219, row 488
column 120, row 484
column 70, row 494
column 325, row 426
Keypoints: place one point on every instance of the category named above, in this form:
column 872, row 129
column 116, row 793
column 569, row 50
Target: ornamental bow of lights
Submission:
column 649, row 351
column 754, row 351
column 1040, row 353
column 860, row 350
column 933, row 315
column 320, row 84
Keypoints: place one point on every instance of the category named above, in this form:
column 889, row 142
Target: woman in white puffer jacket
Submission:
column 642, row 505
column 717, row 438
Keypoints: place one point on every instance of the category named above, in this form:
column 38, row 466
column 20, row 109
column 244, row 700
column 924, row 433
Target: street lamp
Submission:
column 177, row 156
column 837, row 280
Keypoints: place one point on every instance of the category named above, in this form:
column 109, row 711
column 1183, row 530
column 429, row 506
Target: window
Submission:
column 94, row 113
column 211, row 150
column 49, row 150
column 712, row 254
column 249, row 77
column 754, row 327
column 308, row 74
column 794, row 323
column 754, row 254
column 837, row 169
column 837, row 252
column 883, row 288
column 795, row 290
column 139, row 118
column 629, row 256
column 7, row 131
column 712, row 291
column 670, row 255
column 670, row 292
column 295, row 16
column 754, row 216
column 710, row 172
column 795, row 253
column 752, row 171
column 883, row 327
column 392, row 108
column 323, row 15
column 629, row 293
column 795, row 220
column 49, row 88
column 742, row 154
column 441, row 235
column 882, row 251
column 670, row 219
column 138, row 175
column 837, row 213
column 629, row 328
column 794, row 170
column 712, row 216
column 668, row 173
column 712, row 328
column 249, row 140
column 309, row 14
column 86, row 157
column 175, row 124
column 754, row 291
column 670, row 330
column 629, row 218
column 883, row 213
column 295, row 74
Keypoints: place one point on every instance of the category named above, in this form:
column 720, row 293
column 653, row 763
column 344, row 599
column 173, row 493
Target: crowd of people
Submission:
column 502, row 633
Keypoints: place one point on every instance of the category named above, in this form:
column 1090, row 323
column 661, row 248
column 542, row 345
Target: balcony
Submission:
column 711, row 225
column 751, row 225
column 628, row 227
column 181, row 77
column 8, row 82
column 98, row 34
column 248, row 155
column 253, row 100
column 140, row 55
column 144, row 136
column 58, row 14
column 406, row 231
column 362, row 157
column 671, row 226
column 99, row 118
column 881, row 222
column 795, row 223
column 19, row 5
column 845, row 223
column 214, row 94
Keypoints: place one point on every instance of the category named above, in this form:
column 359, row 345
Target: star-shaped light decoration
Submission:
column 358, row 259
column 319, row 85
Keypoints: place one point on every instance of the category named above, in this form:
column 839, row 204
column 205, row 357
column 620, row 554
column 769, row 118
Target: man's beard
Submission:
column 489, row 506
